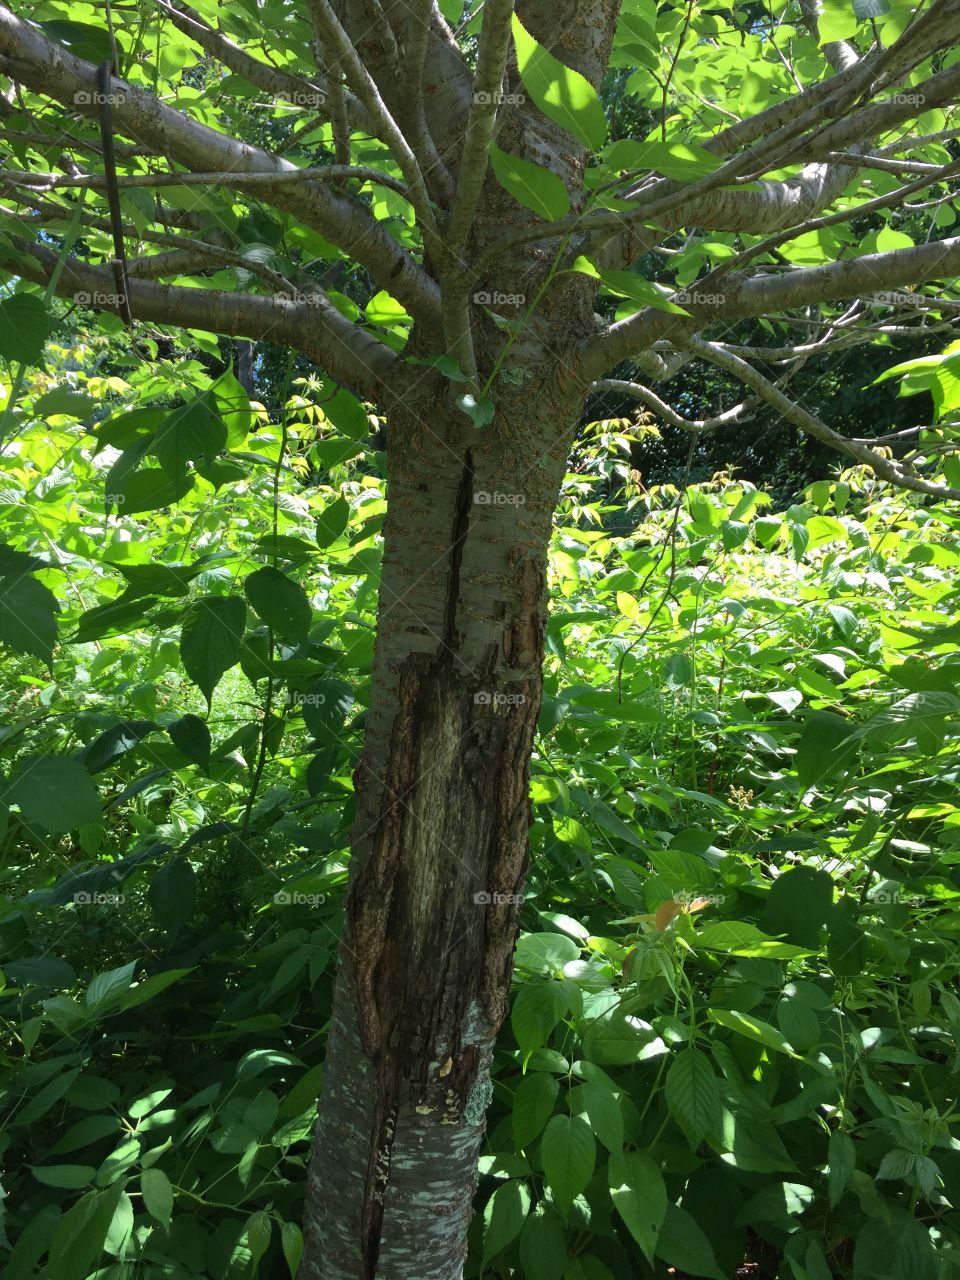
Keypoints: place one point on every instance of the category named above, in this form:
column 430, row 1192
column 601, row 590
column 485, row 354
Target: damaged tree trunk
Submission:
column 441, row 837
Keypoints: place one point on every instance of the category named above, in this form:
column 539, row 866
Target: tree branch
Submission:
column 273, row 80
column 698, row 426
column 345, row 55
column 491, row 64
column 744, row 296
column 53, row 71
column 884, row 468
column 314, row 327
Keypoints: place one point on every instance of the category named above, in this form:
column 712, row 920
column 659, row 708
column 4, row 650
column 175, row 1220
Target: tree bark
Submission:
column 441, row 837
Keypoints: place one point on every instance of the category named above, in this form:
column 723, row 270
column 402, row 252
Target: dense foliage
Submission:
column 735, row 1029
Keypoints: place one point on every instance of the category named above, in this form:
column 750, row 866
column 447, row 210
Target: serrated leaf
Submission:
column 28, row 616
column 693, row 1095
column 210, row 639
column 503, row 1217
column 842, row 1160
column 568, row 1151
column 639, row 1195
column 279, row 602
column 561, row 93
column 533, row 1104
column 25, row 325
column 55, row 793
column 191, row 735
column 530, row 185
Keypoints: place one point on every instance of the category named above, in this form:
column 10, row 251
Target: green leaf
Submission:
column 157, row 1195
column 280, row 602
column 210, row 639
column 188, row 434
column 119, row 617
column 564, row 95
column 28, row 616
column 233, row 406
column 480, row 411
column 533, row 1105
column 537, row 1009
column 258, row 1230
column 149, row 489
column 679, row 160
column 530, row 185
column 683, row 1245
column 332, row 522
column 64, row 401
column 740, row 939
column 291, row 1241
column 325, row 705
column 25, row 325
column 32, row 1243
column 629, row 284
column 543, row 1250
column 70, row 1176
column 599, row 1104
column 618, row 1039
column 173, row 894
column 55, row 793
column 82, row 38
column 842, row 1160
column 798, row 905
column 503, row 1217
column 79, row 1239
column 104, row 987
column 693, row 1095
column 568, row 1152
column 753, row 1028
column 114, row 743
column 639, row 1195
column 191, row 735
column 257, row 1061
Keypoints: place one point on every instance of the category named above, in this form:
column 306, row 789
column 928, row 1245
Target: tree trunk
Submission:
column 441, row 837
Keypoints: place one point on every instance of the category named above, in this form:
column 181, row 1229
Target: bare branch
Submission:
column 491, row 64
column 346, row 57
column 98, row 182
column 884, row 468
column 699, row 426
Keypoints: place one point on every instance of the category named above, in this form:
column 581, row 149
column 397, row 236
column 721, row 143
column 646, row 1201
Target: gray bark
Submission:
column 440, row 845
